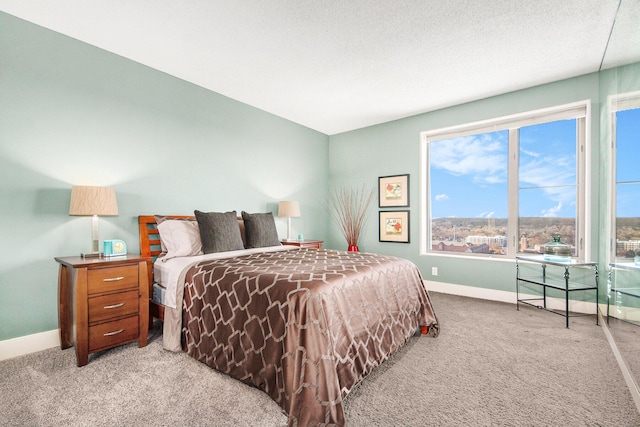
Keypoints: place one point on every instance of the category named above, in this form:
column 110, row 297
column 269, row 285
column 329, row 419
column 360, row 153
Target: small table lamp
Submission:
column 93, row 201
column 289, row 209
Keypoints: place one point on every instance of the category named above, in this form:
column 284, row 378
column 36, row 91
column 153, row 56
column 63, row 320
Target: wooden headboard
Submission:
column 149, row 235
column 150, row 248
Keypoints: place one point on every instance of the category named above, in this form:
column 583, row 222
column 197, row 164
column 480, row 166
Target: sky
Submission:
column 628, row 163
column 469, row 174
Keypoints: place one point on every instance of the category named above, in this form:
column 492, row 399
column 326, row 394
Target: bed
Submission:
column 304, row 325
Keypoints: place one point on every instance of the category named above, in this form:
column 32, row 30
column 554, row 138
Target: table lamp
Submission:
column 289, row 209
column 94, row 202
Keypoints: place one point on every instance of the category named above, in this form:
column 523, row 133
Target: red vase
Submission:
column 353, row 248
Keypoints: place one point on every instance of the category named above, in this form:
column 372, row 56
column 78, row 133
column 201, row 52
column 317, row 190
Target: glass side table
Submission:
column 566, row 277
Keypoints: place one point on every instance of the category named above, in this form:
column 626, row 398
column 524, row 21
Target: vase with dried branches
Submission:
column 349, row 207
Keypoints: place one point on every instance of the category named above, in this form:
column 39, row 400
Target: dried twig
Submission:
column 349, row 208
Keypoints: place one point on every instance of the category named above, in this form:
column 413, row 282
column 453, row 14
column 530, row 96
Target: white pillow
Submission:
column 181, row 238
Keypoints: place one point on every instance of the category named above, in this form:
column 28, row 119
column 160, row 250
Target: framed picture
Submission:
column 394, row 226
column 393, row 191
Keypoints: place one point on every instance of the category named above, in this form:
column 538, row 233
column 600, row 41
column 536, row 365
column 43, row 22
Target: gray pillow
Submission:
column 260, row 230
column 219, row 231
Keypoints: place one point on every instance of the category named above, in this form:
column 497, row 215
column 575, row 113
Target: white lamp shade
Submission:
column 287, row 208
column 86, row 201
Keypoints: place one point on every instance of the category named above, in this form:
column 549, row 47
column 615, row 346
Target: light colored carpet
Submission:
column 490, row 366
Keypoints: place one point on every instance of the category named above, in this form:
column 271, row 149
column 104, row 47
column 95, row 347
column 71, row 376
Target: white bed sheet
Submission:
column 166, row 272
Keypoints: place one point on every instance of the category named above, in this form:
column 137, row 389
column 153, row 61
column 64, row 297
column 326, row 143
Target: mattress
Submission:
column 159, row 293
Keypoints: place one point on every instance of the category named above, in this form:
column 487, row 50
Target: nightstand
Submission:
column 106, row 299
column 317, row 244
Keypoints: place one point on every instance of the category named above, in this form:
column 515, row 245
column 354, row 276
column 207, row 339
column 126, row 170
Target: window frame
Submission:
column 580, row 111
column 615, row 103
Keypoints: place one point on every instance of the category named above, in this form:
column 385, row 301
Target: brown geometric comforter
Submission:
column 303, row 325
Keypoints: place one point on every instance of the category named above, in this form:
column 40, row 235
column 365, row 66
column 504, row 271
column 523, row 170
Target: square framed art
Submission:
column 394, row 226
column 393, row 191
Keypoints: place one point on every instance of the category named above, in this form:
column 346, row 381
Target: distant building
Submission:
column 481, row 249
column 627, row 245
column 487, row 240
column 451, row 247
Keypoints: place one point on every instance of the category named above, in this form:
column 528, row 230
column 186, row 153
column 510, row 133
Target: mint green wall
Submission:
column 361, row 156
column 71, row 113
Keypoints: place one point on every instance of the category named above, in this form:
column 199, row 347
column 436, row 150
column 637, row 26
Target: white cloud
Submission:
column 552, row 212
column 554, row 175
column 440, row 197
column 529, row 153
column 482, row 161
column 550, row 171
column 482, row 156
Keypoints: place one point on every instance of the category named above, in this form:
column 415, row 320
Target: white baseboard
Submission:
column 505, row 296
column 628, row 313
column 29, row 344
column 41, row 341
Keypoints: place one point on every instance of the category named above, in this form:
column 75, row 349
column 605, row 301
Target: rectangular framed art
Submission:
column 393, row 191
column 394, row 226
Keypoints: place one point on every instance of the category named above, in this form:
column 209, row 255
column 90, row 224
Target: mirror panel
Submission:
column 623, row 280
column 620, row 134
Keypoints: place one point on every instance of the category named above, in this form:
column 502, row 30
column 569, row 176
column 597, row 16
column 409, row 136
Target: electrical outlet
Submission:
column 434, row 271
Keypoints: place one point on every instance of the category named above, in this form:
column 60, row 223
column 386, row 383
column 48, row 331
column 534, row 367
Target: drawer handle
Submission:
column 114, row 305
column 108, row 334
column 113, row 279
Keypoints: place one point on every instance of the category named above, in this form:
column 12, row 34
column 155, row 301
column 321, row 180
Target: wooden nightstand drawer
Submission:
column 106, row 335
column 112, row 306
column 316, row 245
column 112, row 279
column 102, row 303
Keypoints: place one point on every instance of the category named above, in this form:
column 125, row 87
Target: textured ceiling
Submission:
column 338, row 65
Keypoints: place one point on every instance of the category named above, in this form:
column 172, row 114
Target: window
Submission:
column 547, row 185
column 506, row 186
column 469, row 193
column 625, row 147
